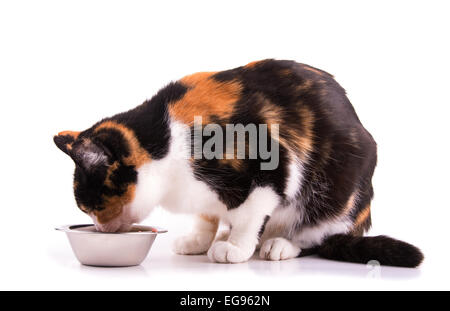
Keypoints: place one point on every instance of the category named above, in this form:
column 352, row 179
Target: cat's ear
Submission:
column 85, row 153
column 64, row 140
column 89, row 155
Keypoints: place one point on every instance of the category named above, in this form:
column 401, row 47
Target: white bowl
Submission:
column 95, row 248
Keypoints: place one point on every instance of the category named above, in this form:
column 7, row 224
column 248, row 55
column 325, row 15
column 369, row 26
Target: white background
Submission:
column 66, row 64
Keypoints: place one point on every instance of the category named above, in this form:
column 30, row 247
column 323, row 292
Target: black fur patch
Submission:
column 150, row 122
column 113, row 142
column 61, row 141
column 387, row 251
column 263, row 226
column 234, row 186
column 328, row 179
column 90, row 188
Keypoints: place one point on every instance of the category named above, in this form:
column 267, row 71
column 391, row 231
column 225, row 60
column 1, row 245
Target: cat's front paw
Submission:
column 225, row 252
column 222, row 235
column 193, row 244
column 278, row 249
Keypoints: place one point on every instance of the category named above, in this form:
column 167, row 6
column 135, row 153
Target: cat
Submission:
column 315, row 199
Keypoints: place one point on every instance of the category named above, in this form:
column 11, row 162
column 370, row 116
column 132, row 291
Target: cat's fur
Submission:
column 316, row 200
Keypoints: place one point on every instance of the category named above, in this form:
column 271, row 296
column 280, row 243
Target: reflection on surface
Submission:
column 311, row 265
column 134, row 271
column 161, row 262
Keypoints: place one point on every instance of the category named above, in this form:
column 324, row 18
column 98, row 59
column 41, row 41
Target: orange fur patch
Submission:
column 195, row 78
column 271, row 113
column 350, row 202
column 354, row 138
column 306, row 141
column 362, row 216
column 301, row 142
column 253, row 64
column 325, row 151
column 206, row 97
column 316, row 71
column 306, row 85
column 109, row 173
column 236, row 164
column 114, row 205
column 138, row 155
column 289, row 137
column 209, row 218
column 285, row 72
column 83, row 208
column 69, row 133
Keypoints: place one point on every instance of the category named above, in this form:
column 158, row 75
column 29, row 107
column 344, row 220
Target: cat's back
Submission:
column 307, row 103
column 265, row 91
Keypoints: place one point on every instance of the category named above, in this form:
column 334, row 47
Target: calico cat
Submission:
column 314, row 199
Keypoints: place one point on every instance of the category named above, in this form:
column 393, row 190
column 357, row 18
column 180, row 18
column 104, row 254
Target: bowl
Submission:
column 94, row 248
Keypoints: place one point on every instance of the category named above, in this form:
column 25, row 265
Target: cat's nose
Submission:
column 125, row 227
column 107, row 227
column 112, row 226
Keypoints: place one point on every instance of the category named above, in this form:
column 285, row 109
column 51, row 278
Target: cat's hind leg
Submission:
column 246, row 221
column 278, row 249
column 198, row 241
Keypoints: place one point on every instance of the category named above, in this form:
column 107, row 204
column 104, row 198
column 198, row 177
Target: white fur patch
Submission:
column 226, row 252
column 246, row 221
column 193, row 244
column 278, row 249
column 170, row 182
column 312, row 236
column 282, row 222
column 199, row 240
column 294, row 181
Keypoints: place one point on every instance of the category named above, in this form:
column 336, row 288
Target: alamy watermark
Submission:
column 236, row 141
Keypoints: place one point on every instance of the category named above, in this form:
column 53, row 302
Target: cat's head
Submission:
column 106, row 159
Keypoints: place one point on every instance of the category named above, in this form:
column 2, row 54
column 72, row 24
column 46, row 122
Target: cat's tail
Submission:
column 387, row 251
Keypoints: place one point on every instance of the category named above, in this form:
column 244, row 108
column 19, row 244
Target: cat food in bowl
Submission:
column 95, row 248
